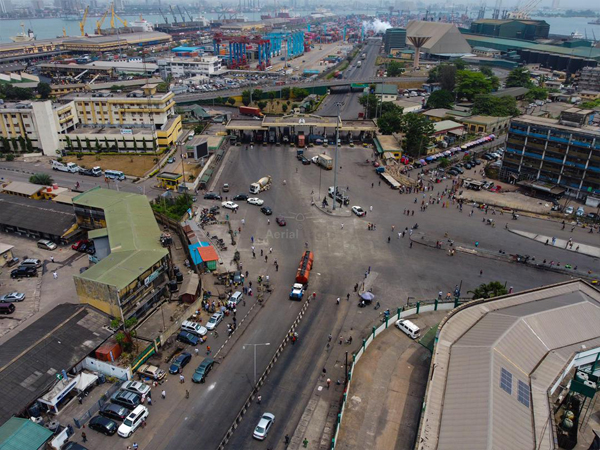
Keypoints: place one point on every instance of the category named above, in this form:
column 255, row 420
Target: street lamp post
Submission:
column 255, row 345
column 337, row 138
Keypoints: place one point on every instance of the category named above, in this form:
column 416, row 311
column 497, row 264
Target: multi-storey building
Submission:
column 394, row 38
column 589, row 79
column 36, row 124
column 563, row 152
column 181, row 67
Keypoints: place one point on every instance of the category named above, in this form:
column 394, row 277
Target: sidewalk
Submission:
column 577, row 247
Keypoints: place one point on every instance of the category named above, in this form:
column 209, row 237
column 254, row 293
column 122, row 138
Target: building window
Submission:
column 523, row 394
column 506, row 381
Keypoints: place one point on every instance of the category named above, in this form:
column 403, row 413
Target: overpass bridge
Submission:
column 196, row 96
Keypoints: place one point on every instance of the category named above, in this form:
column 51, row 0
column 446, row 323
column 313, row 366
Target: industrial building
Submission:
column 512, row 28
column 556, row 57
column 131, row 272
column 443, row 39
column 563, row 152
column 386, row 92
column 394, row 38
column 184, row 67
column 504, row 371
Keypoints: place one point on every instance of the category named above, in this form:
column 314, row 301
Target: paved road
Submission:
column 342, row 256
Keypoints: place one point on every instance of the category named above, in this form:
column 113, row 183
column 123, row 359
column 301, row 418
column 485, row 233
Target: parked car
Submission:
column 212, row 196
column 136, row 387
column 255, row 201
column 180, row 362
column 280, row 221
column 214, row 320
column 263, row 427
column 152, row 372
column 358, row 211
column 305, row 161
column 242, row 197
column 31, row 262
column 202, row 371
column 46, row 244
column 171, row 160
column 23, row 272
column 103, row 425
column 13, row 297
column 468, row 165
column 133, row 421
column 127, row 399
column 453, row 171
column 187, row 338
column 569, row 210
column 225, row 187
column 73, row 446
column 267, row 211
column 580, row 211
column 113, row 411
column 230, row 205
column 7, row 308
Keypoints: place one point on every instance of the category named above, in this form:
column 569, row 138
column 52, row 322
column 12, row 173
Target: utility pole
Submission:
column 335, row 169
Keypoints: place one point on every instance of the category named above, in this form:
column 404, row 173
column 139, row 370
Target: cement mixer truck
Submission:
column 261, row 185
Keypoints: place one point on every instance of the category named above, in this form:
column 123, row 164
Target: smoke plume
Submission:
column 377, row 26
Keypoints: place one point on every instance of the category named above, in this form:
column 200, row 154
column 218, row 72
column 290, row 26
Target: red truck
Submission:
column 250, row 111
column 301, row 141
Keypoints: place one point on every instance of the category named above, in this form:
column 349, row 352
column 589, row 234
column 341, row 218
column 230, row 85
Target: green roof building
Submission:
column 130, row 274
column 23, row 434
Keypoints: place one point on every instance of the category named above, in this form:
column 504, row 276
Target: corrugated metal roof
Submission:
column 23, row 434
column 532, row 336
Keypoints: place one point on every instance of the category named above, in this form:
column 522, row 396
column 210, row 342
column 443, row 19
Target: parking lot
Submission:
column 43, row 292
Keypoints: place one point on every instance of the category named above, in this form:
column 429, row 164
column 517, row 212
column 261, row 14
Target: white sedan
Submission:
column 263, row 427
column 358, row 211
column 256, row 201
column 230, row 205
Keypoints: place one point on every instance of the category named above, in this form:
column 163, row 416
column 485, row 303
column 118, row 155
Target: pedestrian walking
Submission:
column 52, row 259
column 268, row 221
column 261, row 252
column 410, row 246
column 187, row 394
column 84, row 436
column 55, row 274
column 163, row 394
column 243, row 221
column 328, row 382
column 389, row 239
column 252, row 239
column 259, row 399
column 271, row 251
column 135, row 446
column 356, row 287
column 337, row 302
column 196, row 351
column 342, row 225
column 341, row 340
column 208, row 349
column 481, row 273
column 371, row 208
column 181, row 378
column 266, row 258
column 149, row 401
column 348, row 296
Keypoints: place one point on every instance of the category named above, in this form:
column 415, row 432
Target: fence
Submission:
column 419, row 307
column 81, row 420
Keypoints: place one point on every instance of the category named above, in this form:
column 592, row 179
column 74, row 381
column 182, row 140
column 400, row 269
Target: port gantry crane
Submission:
column 82, row 23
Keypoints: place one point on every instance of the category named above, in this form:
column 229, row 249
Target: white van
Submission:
column 114, row 174
column 193, row 327
column 133, row 421
column 235, row 299
column 408, row 328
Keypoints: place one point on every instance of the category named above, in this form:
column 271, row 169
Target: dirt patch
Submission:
column 133, row 165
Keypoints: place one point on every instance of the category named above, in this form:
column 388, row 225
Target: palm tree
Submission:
column 492, row 289
column 42, row 179
column 271, row 96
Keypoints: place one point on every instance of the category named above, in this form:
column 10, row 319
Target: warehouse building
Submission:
column 500, row 368
column 511, row 28
column 131, row 273
column 563, row 152
column 445, row 40
column 395, row 38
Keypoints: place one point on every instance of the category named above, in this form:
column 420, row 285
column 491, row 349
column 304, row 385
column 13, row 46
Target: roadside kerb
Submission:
column 263, row 377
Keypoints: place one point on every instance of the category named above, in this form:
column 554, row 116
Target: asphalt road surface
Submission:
column 342, row 255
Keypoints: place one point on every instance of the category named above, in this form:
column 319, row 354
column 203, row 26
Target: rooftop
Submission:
column 512, row 92
column 498, row 361
column 23, row 434
column 446, row 125
column 44, row 216
column 22, row 187
column 554, row 123
column 437, row 112
column 133, row 235
column 57, row 341
column 386, row 89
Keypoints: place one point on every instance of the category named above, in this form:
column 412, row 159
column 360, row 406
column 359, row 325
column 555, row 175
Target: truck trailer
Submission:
column 250, row 111
column 325, row 162
column 68, row 167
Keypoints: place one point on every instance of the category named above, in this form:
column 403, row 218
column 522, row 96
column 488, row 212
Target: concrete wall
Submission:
column 100, row 296
column 95, row 365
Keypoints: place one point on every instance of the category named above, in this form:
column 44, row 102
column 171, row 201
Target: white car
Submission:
column 569, row 210
column 136, row 387
column 230, row 205
column 133, row 421
column 315, row 159
column 263, row 427
column 214, row 320
column 13, row 297
column 358, row 211
column 255, row 201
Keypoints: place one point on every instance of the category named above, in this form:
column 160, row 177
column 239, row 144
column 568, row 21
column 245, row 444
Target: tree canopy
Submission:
column 489, row 290
column 44, row 90
column 488, row 105
column 537, row 93
column 445, row 74
column 418, row 131
column 369, row 102
column 390, row 122
column 440, row 99
column 42, row 179
column 395, row 68
column 519, row 77
column 470, row 84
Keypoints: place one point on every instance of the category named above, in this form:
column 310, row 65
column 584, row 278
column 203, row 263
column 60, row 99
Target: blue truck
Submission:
column 297, row 291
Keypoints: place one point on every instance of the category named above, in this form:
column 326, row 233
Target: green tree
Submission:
column 231, row 101
column 262, row 105
column 284, row 107
column 418, row 131
column 219, row 100
column 88, row 144
column 199, row 129
column 537, row 93
column 271, row 96
column 443, row 162
column 246, row 97
column 489, row 290
column 447, row 77
column 22, row 144
column 489, row 105
column 44, row 90
column 395, row 69
column 369, row 102
column 519, row 77
column 257, row 94
column 42, row 179
column 68, row 145
column 469, row 84
column 286, row 93
column 299, row 93
column 163, row 87
column 28, row 144
column 97, row 147
column 14, row 143
column 460, row 64
column 487, row 71
column 440, row 99
column 390, row 122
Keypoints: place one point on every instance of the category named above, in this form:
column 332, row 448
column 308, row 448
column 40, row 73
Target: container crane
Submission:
column 163, row 16
column 523, row 11
column 101, row 21
column 181, row 14
column 188, row 13
column 113, row 15
column 82, row 23
column 173, row 13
